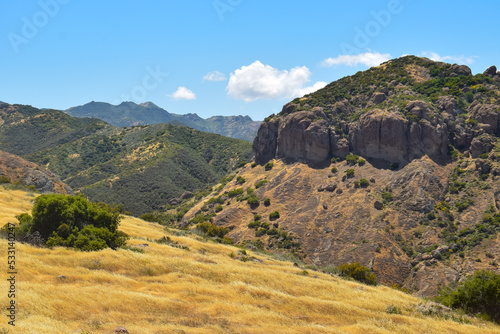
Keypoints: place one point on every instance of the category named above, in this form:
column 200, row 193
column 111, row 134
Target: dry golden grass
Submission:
column 200, row 290
column 13, row 203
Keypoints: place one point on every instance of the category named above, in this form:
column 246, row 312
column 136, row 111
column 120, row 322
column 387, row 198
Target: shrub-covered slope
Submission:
column 141, row 167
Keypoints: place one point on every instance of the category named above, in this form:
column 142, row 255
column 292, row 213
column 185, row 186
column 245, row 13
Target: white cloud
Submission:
column 308, row 90
column 182, row 93
column 368, row 59
column 258, row 81
column 214, row 76
column 458, row 59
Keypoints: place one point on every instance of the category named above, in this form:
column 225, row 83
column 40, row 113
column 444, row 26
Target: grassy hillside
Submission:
column 196, row 286
column 141, row 167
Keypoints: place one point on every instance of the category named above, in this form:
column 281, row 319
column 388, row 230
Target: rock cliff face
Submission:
column 396, row 121
column 309, row 136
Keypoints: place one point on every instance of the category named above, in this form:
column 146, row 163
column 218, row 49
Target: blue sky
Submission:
column 223, row 57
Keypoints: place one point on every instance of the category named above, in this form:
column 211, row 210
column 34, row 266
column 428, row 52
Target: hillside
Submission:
column 141, row 167
column 193, row 285
column 419, row 204
column 16, row 170
column 130, row 114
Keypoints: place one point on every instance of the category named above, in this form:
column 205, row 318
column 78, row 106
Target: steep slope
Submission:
column 17, row 170
column 421, row 208
column 184, row 283
column 141, row 167
column 129, row 114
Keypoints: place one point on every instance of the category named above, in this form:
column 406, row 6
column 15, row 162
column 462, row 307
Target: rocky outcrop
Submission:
column 304, row 135
column 30, row 174
column 461, row 69
column 482, row 144
column 264, row 144
column 307, row 135
column 488, row 114
column 491, row 71
column 316, row 129
column 390, row 136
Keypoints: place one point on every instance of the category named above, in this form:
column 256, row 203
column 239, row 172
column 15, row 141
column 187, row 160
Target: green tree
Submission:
column 478, row 294
column 358, row 272
column 72, row 221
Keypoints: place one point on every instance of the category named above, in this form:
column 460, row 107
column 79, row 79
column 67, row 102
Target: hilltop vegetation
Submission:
column 140, row 167
column 400, row 80
column 171, row 280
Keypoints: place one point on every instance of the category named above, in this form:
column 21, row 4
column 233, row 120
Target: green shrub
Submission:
column 478, row 294
column 254, row 224
column 463, row 205
column 269, row 166
column 272, row 231
column 267, row 202
column 260, row 232
column 235, row 192
column 240, row 180
column 242, row 164
column 260, row 183
column 334, row 170
column 364, row 183
column 349, row 173
column 484, row 156
column 351, row 159
column 361, row 162
column 358, row 272
column 72, row 221
column 256, row 218
column 253, row 165
column 212, row 230
column 253, row 201
column 274, row 215
column 218, row 208
column 4, row 179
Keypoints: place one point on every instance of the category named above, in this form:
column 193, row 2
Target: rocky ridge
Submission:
column 396, row 121
column 421, row 210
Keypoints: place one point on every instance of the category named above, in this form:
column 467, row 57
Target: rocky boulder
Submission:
column 378, row 98
column 461, row 69
column 491, row 71
column 487, row 114
column 482, row 144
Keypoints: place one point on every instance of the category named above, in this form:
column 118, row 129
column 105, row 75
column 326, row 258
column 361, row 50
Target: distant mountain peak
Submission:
column 149, row 104
column 129, row 113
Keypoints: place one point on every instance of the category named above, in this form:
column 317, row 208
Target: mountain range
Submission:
column 141, row 167
column 131, row 114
